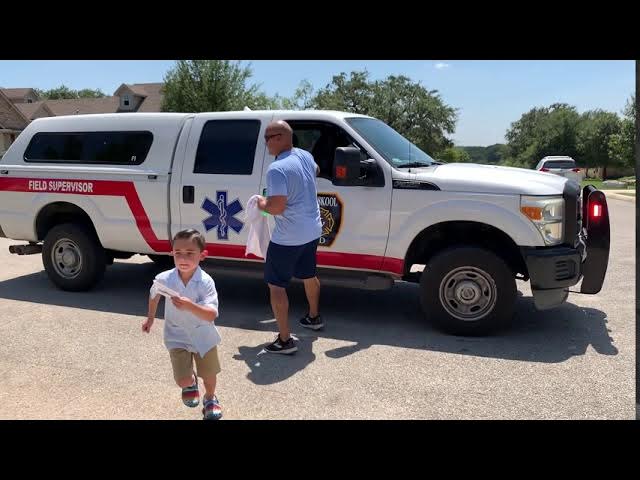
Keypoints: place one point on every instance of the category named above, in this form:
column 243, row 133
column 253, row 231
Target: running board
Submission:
column 328, row 276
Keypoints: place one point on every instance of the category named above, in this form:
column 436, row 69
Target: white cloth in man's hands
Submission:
column 259, row 234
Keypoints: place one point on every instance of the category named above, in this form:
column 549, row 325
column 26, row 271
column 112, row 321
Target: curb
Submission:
column 617, row 196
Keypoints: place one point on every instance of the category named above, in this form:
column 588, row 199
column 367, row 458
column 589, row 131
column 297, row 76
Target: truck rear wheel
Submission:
column 73, row 257
column 468, row 291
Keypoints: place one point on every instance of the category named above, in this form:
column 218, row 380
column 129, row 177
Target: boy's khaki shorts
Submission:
column 182, row 363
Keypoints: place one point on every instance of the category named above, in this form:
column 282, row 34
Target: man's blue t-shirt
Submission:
column 293, row 173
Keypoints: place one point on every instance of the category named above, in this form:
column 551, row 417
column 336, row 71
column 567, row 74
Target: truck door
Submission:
column 355, row 219
column 221, row 170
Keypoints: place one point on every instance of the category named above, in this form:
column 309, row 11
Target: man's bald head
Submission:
column 279, row 137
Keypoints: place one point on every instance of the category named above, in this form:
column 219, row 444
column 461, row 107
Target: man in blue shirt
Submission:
column 292, row 199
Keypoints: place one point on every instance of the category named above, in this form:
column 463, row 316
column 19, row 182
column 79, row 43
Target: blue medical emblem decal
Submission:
column 222, row 215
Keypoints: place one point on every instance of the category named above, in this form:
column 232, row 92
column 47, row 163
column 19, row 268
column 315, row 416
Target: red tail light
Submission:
column 544, row 169
column 576, row 170
column 596, row 210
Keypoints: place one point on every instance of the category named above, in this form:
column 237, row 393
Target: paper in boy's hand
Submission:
column 163, row 290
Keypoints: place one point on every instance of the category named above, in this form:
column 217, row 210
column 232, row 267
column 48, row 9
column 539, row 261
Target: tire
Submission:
column 468, row 291
column 163, row 261
column 73, row 257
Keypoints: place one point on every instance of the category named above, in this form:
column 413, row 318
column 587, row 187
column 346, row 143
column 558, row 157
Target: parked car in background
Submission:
column 561, row 165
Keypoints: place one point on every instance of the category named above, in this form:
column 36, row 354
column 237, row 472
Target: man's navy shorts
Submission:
column 284, row 262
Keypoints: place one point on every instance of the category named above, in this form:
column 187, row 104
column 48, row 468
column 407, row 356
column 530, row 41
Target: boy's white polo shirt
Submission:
column 183, row 329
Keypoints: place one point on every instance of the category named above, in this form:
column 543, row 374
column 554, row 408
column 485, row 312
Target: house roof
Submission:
column 151, row 93
column 30, row 109
column 13, row 118
column 17, row 93
column 80, row 106
column 153, row 99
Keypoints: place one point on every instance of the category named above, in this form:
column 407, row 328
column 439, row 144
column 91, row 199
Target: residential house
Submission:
column 12, row 122
column 22, row 105
column 33, row 110
column 139, row 97
column 21, row 95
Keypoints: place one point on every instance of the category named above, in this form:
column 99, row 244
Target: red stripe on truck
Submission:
column 92, row 187
column 328, row 259
column 129, row 192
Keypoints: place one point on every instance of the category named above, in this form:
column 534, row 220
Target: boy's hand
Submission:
column 182, row 303
column 146, row 325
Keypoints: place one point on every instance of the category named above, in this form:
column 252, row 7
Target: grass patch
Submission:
column 599, row 185
column 628, row 179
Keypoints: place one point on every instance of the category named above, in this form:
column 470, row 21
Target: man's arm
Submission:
column 274, row 205
column 276, row 202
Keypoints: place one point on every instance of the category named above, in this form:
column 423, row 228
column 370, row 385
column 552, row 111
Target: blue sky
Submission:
column 489, row 94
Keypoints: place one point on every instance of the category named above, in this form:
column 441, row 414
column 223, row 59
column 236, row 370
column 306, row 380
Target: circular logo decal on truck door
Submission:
column 331, row 215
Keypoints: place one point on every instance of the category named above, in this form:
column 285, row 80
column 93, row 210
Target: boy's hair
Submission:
column 193, row 235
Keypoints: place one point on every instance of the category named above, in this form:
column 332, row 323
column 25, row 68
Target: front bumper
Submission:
column 551, row 271
column 584, row 255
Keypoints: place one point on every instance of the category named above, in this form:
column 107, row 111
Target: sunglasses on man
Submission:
column 269, row 137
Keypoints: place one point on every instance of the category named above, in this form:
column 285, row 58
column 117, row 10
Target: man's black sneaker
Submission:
column 314, row 323
column 279, row 346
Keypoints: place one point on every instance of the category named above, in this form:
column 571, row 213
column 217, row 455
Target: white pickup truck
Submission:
column 85, row 190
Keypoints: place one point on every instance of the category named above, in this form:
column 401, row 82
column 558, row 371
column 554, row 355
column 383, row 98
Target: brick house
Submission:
column 12, row 122
column 19, row 106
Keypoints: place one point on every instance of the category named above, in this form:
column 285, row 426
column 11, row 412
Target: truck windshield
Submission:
column 395, row 149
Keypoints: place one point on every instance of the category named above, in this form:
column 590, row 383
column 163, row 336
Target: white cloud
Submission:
column 441, row 66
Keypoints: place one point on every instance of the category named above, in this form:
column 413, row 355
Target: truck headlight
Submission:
column 547, row 214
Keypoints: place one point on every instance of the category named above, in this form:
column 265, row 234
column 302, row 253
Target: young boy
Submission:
column 189, row 331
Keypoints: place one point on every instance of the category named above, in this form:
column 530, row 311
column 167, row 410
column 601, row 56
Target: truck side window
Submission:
column 321, row 140
column 227, row 147
column 110, row 148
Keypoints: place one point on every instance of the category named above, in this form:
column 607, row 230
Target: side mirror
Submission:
column 346, row 166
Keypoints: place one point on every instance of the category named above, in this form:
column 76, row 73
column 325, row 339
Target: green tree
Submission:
column 65, row 93
column 212, row 86
column 496, row 153
column 596, row 128
column 408, row 107
column 621, row 145
column 455, row 155
column 353, row 94
column 492, row 155
column 89, row 93
column 543, row 131
column 477, row 154
column 302, row 99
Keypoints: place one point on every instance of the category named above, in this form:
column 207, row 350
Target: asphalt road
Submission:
column 83, row 356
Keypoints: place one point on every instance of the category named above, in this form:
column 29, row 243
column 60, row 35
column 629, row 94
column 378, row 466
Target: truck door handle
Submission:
column 188, row 194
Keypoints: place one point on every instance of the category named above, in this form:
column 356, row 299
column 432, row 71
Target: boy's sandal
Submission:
column 191, row 395
column 212, row 409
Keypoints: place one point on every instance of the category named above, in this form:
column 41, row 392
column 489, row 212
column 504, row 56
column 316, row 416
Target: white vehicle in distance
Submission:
column 561, row 165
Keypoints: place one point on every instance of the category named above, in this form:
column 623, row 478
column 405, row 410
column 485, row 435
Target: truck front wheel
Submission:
column 468, row 291
column 73, row 257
